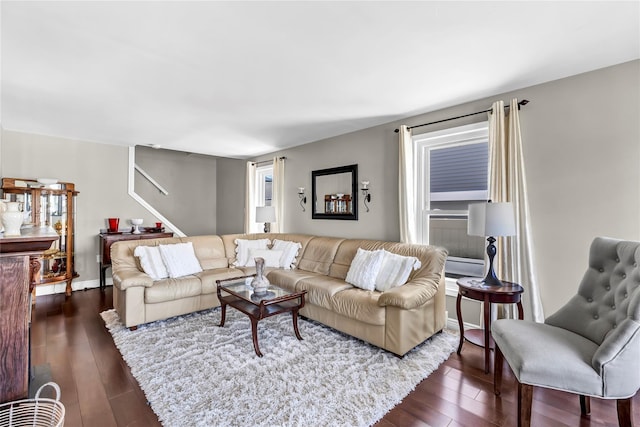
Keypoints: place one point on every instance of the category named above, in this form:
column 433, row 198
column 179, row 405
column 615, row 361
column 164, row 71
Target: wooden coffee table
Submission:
column 237, row 294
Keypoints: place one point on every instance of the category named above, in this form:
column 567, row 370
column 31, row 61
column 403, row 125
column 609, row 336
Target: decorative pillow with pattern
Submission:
column 289, row 252
column 242, row 249
column 180, row 259
column 364, row 269
column 395, row 270
column 151, row 261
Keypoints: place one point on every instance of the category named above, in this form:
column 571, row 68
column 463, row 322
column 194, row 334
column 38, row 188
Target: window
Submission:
column 264, row 185
column 452, row 167
column 262, row 193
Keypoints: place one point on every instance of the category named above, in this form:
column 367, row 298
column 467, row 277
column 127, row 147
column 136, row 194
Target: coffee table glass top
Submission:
column 240, row 287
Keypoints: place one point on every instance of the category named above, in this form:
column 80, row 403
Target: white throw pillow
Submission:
column 395, row 270
column 151, row 261
column 271, row 257
column 242, row 249
column 364, row 269
column 289, row 252
column 180, row 259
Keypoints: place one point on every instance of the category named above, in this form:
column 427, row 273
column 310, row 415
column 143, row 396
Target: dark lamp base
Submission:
column 491, row 279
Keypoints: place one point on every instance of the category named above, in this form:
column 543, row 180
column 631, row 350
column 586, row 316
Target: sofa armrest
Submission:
column 411, row 295
column 129, row 277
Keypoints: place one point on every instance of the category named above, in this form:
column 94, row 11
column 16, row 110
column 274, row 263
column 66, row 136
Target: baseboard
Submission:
column 60, row 288
column 452, row 324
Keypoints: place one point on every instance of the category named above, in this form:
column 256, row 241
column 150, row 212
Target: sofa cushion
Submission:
column 395, row 270
column 347, row 251
column 271, row 257
column 360, row 305
column 180, row 259
column 320, row 289
column 242, row 249
column 364, row 269
column 229, row 241
column 209, row 251
column 287, row 279
column 151, row 261
column 319, row 253
column 172, row 289
column 208, row 278
column 289, row 252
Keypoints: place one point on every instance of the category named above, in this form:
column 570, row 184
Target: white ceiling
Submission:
column 240, row 79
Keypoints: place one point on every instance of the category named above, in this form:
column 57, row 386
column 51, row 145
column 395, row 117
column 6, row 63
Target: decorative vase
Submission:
column 260, row 284
column 113, row 224
column 12, row 219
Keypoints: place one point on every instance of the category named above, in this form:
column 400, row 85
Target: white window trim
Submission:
column 261, row 173
column 259, row 194
column 423, row 144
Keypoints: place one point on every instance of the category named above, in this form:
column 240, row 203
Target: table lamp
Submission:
column 492, row 220
column 266, row 214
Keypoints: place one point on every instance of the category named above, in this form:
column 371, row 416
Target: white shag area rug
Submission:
column 195, row 373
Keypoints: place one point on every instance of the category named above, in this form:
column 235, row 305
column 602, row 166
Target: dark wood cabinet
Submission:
column 107, row 239
column 50, row 204
column 19, row 266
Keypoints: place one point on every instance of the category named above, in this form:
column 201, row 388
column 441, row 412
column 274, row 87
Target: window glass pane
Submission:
column 451, row 233
column 268, row 188
column 454, row 168
column 459, row 168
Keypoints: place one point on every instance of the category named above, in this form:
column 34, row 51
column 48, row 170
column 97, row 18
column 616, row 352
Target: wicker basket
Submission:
column 36, row 412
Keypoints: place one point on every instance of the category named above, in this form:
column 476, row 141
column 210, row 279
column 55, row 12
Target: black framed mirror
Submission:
column 334, row 193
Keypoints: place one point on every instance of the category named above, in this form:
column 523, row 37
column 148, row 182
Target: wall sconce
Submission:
column 302, row 197
column 365, row 194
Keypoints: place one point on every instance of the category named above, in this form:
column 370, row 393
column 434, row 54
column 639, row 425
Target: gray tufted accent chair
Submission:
column 591, row 346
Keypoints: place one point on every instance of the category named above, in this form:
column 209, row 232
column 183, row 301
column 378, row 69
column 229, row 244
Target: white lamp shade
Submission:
column 266, row 214
column 491, row 219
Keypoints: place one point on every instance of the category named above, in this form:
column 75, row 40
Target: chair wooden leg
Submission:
column 525, row 398
column 624, row 412
column 497, row 370
column 585, row 405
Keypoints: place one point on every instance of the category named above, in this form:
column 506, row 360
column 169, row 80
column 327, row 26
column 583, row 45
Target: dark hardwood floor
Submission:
column 98, row 389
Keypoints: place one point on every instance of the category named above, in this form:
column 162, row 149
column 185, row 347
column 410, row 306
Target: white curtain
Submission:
column 277, row 197
column 507, row 183
column 406, row 188
column 250, row 198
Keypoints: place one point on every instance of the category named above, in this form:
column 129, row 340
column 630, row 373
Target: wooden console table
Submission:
column 19, row 267
column 107, row 239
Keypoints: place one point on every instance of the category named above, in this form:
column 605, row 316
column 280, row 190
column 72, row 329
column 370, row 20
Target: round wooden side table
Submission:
column 474, row 288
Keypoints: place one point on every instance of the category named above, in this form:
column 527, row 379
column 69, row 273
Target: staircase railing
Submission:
column 132, row 192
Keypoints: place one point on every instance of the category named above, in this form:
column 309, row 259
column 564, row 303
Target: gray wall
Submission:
column 191, row 181
column 230, row 203
column 581, row 142
column 99, row 172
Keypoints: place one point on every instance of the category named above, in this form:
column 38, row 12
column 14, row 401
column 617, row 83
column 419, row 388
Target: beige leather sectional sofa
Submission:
column 396, row 320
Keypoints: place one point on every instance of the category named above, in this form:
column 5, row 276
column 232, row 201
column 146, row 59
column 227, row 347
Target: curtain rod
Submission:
column 523, row 102
column 264, row 162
